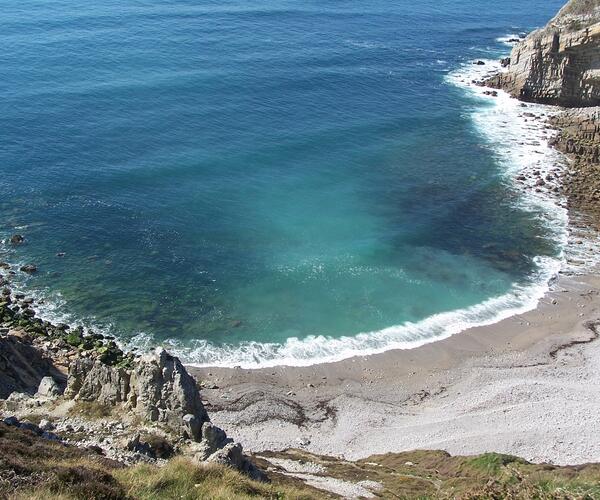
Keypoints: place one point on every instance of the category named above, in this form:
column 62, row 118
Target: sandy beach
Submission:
column 523, row 386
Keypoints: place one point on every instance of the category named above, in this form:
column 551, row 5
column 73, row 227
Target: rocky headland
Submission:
column 63, row 377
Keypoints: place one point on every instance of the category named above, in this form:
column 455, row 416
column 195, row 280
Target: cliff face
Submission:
column 579, row 138
column 560, row 63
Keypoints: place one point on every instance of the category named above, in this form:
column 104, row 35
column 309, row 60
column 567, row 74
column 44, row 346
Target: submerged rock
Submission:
column 16, row 239
column 28, row 268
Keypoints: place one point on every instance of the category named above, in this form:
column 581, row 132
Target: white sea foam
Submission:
column 324, row 349
column 520, row 137
column 510, row 39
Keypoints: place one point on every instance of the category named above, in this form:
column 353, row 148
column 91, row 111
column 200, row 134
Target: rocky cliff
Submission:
column 579, row 139
column 560, row 63
column 92, row 394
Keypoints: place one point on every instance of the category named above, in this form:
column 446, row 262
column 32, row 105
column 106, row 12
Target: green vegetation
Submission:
column 436, row 474
column 91, row 410
column 491, row 463
column 34, row 468
column 182, row 479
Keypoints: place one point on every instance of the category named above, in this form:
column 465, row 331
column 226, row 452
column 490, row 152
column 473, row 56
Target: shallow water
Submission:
column 228, row 177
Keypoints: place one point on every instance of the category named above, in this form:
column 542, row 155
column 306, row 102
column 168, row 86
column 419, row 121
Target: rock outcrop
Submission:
column 22, row 367
column 560, row 63
column 579, row 138
column 158, row 389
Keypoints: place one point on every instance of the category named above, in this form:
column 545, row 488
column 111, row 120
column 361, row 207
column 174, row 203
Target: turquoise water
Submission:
column 229, row 176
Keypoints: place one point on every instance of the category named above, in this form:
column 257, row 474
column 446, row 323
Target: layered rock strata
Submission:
column 560, row 63
column 579, row 138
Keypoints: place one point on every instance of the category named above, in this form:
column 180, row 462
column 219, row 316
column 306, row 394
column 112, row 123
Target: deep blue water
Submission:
column 227, row 172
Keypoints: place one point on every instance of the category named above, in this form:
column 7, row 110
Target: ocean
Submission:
column 270, row 182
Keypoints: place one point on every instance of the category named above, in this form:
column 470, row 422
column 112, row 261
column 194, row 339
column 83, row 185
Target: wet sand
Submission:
column 527, row 385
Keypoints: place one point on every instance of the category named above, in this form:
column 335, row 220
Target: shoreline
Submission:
column 486, row 388
column 499, row 399
column 444, row 395
column 513, row 386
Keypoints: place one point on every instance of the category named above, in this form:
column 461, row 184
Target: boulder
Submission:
column 22, row 367
column 16, row 239
column 46, row 425
column 213, row 439
column 92, row 380
column 159, row 389
column 232, row 455
column 193, row 427
column 28, row 268
column 28, row 426
column 48, row 388
column 163, row 391
column 153, row 446
column 11, row 421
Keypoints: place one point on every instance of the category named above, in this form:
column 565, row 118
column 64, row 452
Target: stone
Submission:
column 14, row 421
column 48, row 388
column 214, row 436
column 28, row 426
column 46, row 425
column 164, row 391
column 231, row 455
column 29, row 268
column 557, row 64
column 193, row 427
column 50, row 436
column 92, row 380
column 18, row 397
column 303, row 441
column 16, row 239
column 152, row 446
column 24, row 367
